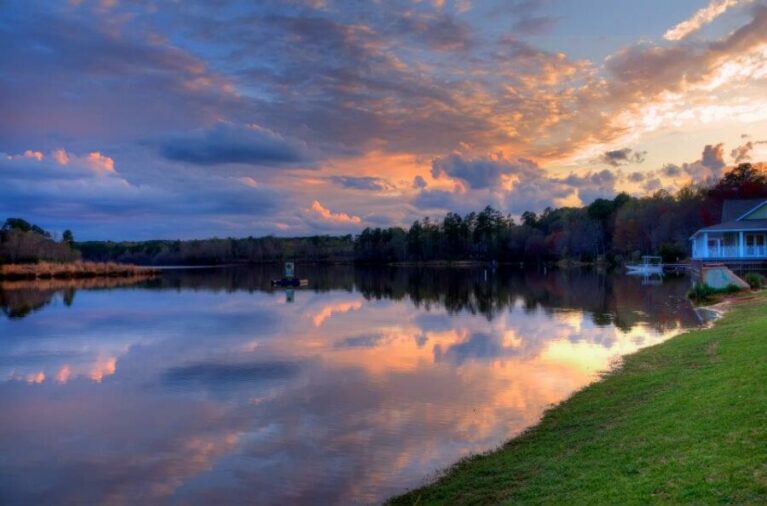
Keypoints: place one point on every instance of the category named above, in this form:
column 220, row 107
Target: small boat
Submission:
column 649, row 265
column 290, row 282
column 289, row 279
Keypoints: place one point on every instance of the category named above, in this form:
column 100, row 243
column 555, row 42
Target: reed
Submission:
column 72, row 270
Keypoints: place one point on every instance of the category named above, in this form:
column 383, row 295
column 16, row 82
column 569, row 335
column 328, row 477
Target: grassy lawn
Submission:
column 684, row 421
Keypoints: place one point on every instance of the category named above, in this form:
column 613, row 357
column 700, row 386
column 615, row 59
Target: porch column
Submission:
column 741, row 244
column 705, row 245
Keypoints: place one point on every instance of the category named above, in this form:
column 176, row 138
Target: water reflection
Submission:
column 206, row 386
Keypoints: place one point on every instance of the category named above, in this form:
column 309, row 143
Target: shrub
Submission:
column 754, row 280
column 701, row 292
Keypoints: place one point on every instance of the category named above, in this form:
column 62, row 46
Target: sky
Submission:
column 139, row 119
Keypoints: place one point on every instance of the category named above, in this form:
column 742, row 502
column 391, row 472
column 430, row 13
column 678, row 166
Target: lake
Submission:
column 207, row 386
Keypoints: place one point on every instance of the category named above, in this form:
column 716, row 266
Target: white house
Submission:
column 742, row 235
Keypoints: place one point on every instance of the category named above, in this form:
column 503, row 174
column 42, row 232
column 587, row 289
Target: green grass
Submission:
column 681, row 422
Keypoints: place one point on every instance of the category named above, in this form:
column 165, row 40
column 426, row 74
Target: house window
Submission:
column 755, row 240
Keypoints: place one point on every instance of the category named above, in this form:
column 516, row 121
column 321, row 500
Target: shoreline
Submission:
column 676, row 422
column 73, row 270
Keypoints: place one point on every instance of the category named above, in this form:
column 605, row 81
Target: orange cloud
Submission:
column 100, row 163
column 328, row 215
column 103, row 368
column 64, row 374
column 37, row 155
column 331, row 309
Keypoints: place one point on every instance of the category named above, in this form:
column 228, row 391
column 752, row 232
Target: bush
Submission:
column 754, row 280
column 701, row 292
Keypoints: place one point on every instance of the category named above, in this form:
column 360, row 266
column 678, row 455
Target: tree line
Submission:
column 609, row 230
column 217, row 251
column 23, row 242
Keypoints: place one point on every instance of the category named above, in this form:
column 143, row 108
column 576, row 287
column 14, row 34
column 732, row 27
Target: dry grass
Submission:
column 49, row 270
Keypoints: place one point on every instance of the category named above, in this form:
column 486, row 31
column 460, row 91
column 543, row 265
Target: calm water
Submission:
column 209, row 387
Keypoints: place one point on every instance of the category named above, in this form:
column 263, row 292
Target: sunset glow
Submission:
column 137, row 120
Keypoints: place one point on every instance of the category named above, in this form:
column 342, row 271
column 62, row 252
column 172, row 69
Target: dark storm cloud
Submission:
column 227, row 143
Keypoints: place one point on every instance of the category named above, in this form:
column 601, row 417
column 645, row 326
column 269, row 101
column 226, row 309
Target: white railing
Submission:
column 731, row 252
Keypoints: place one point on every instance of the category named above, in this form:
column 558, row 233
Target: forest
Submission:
column 22, row 242
column 606, row 230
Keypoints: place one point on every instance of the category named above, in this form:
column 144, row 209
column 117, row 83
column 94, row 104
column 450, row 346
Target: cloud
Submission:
column 113, row 79
column 511, row 186
column 317, row 210
column 713, row 157
column 744, row 152
column 439, row 30
column 671, row 170
column 360, row 341
column 528, row 20
column 593, row 185
column 708, row 168
column 87, row 193
column 361, row 182
column 58, row 164
column 226, row 143
column 444, row 200
column 623, row 156
column 218, row 374
column 327, row 82
column 480, row 172
column 652, row 185
column 701, row 18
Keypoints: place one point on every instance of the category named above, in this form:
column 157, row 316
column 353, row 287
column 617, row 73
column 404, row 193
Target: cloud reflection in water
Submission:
column 205, row 387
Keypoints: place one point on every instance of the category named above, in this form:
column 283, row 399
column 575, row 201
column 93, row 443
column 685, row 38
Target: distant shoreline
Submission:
column 73, row 270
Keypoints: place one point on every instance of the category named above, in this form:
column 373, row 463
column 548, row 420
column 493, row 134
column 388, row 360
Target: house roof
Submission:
column 735, row 226
column 734, row 209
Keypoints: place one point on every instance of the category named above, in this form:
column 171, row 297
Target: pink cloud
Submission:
column 327, row 215
column 99, row 163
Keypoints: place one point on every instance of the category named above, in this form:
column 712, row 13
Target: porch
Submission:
column 730, row 245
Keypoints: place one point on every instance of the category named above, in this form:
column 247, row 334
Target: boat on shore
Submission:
column 650, row 265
